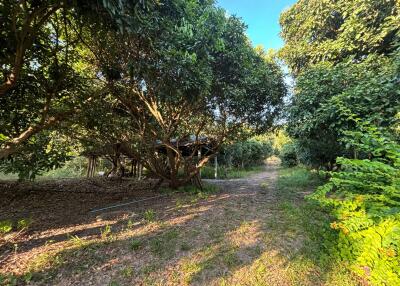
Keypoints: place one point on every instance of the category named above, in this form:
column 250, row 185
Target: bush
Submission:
column 288, row 155
column 245, row 154
column 364, row 198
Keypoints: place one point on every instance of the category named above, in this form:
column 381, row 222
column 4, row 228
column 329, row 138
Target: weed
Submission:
column 129, row 224
column 135, row 244
column 5, row 227
column 77, row 241
column 165, row 244
column 179, row 203
column 146, row 270
column 230, row 173
column 106, row 233
column 149, row 215
column 230, row 258
column 190, row 269
column 127, row 272
column 298, row 178
column 24, row 223
column 45, row 260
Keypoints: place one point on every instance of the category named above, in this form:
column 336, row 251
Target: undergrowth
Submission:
column 312, row 223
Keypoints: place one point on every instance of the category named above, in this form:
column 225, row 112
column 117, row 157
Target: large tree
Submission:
column 42, row 75
column 194, row 76
column 344, row 57
column 45, row 79
column 326, row 30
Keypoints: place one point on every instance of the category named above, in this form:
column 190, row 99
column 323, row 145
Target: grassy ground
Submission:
column 257, row 231
column 230, row 173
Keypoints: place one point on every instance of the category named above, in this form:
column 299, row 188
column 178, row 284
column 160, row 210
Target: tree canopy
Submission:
column 137, row 75
column 316, row 31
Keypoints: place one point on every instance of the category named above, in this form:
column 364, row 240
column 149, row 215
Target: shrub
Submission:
column 245, row 153
column 288, row 155
column 364, row 198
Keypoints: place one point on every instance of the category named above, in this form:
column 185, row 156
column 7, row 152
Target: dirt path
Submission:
column 239, row 235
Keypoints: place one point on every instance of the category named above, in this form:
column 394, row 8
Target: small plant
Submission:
column 179, row 203
column 136, row 244
column 5, row 227
column 146, row 270
column 165, row 244
column 129, row 224
column 77, row 241
column 288, row 155
column 24, row 223
column 127, row 272
column 106, row 233
column 149, row 215
column 231, row 259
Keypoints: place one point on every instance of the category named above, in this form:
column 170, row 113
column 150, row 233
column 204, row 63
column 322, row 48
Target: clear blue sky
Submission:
column 261, row 17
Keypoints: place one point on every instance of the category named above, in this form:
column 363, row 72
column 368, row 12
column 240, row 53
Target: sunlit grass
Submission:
column 208, row 172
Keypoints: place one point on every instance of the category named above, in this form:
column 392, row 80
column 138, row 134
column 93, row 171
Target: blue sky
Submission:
column 261, row 17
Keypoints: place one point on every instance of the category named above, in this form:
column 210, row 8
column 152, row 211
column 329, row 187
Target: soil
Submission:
column 206, row 239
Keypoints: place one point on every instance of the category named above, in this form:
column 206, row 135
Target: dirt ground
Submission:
column 228, row 237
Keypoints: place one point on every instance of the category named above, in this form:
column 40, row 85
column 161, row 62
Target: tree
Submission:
column 190, row 74
column 330, row 31
column 41, row 62
column 45, row 79
column 344, row 63
column 326, row 95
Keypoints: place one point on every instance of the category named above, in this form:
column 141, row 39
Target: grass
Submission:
column 307, row 221
column 165, row 244
column 271, row 237
column 149, row 216
column 208, row 172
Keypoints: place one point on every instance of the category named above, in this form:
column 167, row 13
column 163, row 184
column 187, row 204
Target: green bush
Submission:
column 364, row 197
column 288, row 155
column 245, row 154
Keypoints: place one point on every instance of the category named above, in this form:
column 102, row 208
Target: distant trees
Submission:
column 244, row 154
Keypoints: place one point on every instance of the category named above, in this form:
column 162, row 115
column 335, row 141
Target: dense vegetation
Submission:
column 344, row 117
column 132, row 81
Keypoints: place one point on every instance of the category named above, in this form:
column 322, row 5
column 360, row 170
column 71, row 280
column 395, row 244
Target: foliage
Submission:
column 327, row 95
column 41, row 153
column 245, row 154
column 44, row 76
column 330, row 31
column 187, row 83
column 128, row 78
column 43, row 84
column 364, row 199
column 288, row 155
column 149, row 215
column 5, row 226
column 311, row 222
